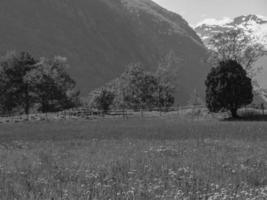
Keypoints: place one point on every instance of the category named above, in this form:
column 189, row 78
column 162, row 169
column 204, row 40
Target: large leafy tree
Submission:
column 54, row 88
column 228, row 88
column 16, row 90
column 26, row 82
column 238, row 46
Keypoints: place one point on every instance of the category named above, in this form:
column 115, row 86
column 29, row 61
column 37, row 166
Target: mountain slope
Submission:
column 100, row 37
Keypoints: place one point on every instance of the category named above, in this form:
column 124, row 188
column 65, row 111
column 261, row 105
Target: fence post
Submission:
column 263, row 109
column 124, row 113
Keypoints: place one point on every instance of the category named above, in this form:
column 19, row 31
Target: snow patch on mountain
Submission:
column 262, row 17
column 253, row 25
column 216, row 22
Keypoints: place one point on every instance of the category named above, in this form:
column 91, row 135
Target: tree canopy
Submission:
column 26, row 82
column 146, row 90
column 15, row 88
column 228, row 87
column 102, row 99
column 54, row 88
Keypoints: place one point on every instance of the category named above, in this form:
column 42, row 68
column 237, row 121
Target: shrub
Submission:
column 102, row 100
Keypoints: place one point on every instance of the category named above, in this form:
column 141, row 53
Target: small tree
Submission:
column 195, row 99
column 138, row 87
column 164, row 95
column 102, row 100
column 166, row 75
column 228, row 88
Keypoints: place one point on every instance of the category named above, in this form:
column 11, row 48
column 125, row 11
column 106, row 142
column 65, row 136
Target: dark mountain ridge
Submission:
column 101, row 37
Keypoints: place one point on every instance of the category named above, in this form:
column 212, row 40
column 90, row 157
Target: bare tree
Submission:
column 238, row 46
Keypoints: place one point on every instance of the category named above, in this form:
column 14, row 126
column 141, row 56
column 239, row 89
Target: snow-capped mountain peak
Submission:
column 214, row 22
column 249, row 19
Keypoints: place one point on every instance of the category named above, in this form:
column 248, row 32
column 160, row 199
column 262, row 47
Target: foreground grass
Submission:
column 134, row 159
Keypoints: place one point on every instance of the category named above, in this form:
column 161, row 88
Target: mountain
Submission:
column 101, row 37
column 253, row 25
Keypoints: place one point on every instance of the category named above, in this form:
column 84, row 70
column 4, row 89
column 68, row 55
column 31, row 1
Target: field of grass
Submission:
column 135, row 159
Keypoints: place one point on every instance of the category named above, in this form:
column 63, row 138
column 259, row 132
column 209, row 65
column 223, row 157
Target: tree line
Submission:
column 43, row 85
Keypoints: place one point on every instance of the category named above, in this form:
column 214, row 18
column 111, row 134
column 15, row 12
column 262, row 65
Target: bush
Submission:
column 102, row 100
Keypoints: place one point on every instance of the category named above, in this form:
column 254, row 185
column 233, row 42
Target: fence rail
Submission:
column 87, row 113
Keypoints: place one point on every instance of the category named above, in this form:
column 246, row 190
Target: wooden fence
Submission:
column 87, row 113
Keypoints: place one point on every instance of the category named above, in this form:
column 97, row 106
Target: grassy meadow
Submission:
column 135, row 159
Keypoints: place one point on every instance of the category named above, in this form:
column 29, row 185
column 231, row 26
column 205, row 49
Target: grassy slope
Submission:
column 134, row 159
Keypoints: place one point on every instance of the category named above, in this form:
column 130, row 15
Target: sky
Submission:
column 195, row 11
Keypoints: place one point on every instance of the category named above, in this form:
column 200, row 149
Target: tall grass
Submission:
column 134, row 159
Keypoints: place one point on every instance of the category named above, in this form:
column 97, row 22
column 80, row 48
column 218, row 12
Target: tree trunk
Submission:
column 234, row 113
column 27, row 108
column 27, row 101
column 27, row 105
